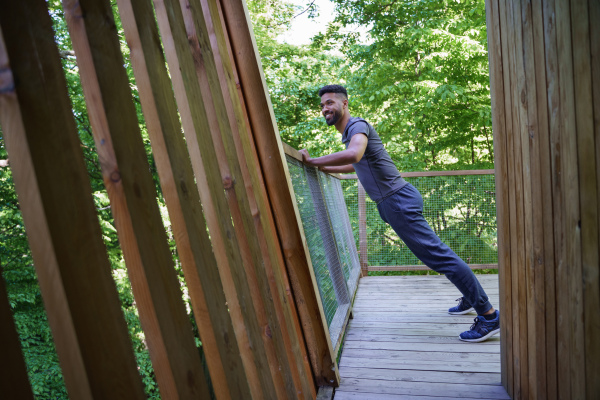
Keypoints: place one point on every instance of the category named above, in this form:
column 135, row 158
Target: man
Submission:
column 401, row 206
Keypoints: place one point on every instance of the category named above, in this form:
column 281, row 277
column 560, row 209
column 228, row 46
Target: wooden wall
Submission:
column 545, row 82
column 221, row 166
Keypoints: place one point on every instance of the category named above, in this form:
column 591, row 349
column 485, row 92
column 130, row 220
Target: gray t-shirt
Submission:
column 375, row 170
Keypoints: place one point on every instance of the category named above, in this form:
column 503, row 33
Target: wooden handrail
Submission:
column 292, row 152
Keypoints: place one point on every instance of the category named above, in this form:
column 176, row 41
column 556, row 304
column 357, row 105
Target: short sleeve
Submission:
column 357, row 127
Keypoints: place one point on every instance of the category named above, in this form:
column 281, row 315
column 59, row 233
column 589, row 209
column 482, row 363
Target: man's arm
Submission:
column 342, row 159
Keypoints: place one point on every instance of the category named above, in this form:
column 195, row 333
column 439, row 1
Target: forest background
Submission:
column 416, row 70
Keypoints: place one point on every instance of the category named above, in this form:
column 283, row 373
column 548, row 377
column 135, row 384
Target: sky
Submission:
column 304, row 28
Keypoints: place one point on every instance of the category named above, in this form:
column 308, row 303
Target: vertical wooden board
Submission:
column 545, row 291
column 59, row 214
column 570, row 291
column 260, row 208
column 592, row 281
column 275, row 171
column 197, row 128
column 517, row 91
column 502, row 183
column 177, row 180
column 240, row 197
column 515, row 184
column 535, row 234
column 558, row 295
column 587, row 329
column 131, row 190
column 14, row 383
column 512, row 337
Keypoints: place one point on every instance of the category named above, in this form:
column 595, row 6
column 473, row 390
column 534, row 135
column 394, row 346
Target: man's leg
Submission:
column 404, row 212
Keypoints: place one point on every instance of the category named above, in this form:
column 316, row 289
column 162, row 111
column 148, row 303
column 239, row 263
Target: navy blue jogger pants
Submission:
column 403, row 211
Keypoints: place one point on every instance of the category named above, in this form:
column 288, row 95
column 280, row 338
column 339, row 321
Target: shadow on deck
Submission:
column 402, row 344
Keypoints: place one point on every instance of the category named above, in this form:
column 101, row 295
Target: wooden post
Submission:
column 255, row 186
column 502, row 184
column 126, row 172
column 274, row 169
column 362, row 229
column 204, row 284
column 209, row 167
column 55, row 197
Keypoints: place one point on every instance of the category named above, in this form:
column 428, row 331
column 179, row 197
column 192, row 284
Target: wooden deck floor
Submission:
column 402, row 344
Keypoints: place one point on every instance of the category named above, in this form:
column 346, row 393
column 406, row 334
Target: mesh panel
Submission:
column 329, row 238
column 460, row 209
column 314, row 240
column 338, row 213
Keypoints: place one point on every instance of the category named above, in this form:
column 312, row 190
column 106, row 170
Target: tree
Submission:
column 422, row 79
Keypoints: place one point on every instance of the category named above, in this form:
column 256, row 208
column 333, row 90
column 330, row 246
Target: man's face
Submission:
column 332, row 106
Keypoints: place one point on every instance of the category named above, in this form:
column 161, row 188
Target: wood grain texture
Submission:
column 198, row 126
column 59, row 214
column 414, row 350
column 126, row 173
column 275, row 171
column 183, row 201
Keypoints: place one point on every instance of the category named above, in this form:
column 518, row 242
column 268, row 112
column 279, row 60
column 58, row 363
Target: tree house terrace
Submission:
column 271, row 312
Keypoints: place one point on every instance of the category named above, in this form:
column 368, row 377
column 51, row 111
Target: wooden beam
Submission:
column 266, row 230
column 126, row 172
column 199, row 265
column 275, row 171
column 588, row 289
column 502, row 184
column 72, row 267
column 212, row 184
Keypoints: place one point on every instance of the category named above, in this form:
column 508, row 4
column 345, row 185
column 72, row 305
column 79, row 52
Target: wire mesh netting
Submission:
column 330, row 242
column 460, row 209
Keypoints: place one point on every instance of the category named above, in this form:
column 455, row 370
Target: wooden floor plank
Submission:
column 425, row 389
column 480, row 378
column 403, row 344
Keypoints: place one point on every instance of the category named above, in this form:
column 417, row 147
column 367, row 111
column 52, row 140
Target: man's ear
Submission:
column 345, row 102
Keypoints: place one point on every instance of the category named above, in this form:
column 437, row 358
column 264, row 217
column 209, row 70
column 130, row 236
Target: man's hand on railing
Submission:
column 306, row 159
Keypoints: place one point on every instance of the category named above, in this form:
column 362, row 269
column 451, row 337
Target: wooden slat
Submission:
column 198, row 126
column 545, row 290
column 232, row 162
column 59, row 214
column 126, row 173
column 592, row 273
column 535, row 230
column 553, row 298
column 557, row 95
column 177, row 180
column 572, row 311
column 586, row 328
column 293, row 339
column 14, row 383
column 480, row 378
column 298, row 345
column 502, row 183
column 426, row 389
column 274, row 169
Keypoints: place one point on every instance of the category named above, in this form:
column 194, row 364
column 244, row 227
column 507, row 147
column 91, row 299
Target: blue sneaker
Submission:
column 482, row 329
column 463, row 307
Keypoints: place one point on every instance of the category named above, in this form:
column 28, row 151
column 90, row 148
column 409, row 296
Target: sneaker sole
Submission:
column 481, row 339
column 460, row 312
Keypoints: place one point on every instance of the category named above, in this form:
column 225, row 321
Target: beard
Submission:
column 335, row 117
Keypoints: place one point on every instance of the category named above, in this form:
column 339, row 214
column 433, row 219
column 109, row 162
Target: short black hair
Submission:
column 333, row 89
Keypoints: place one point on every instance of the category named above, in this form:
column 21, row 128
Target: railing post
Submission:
column 362, row 230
